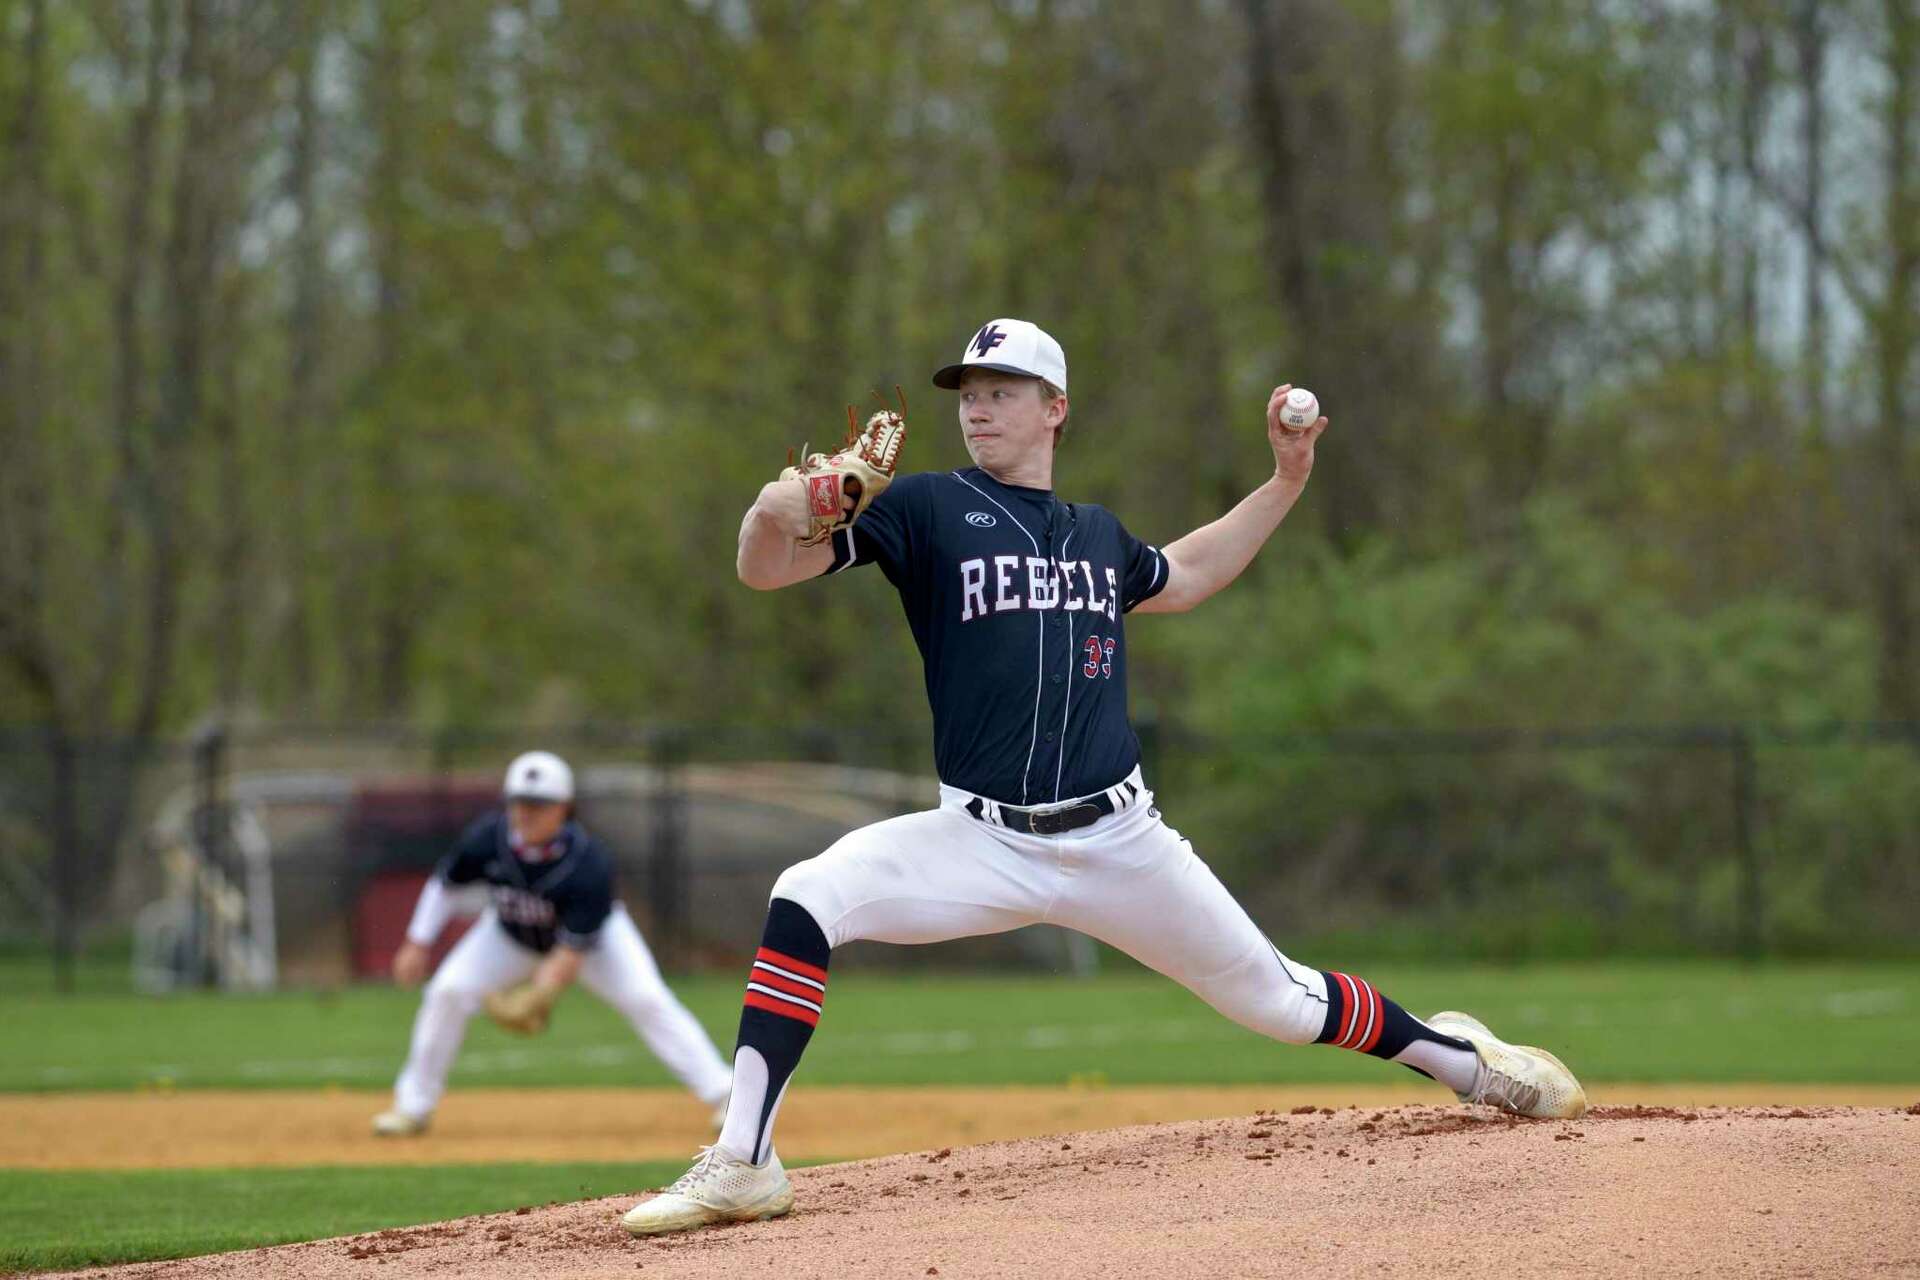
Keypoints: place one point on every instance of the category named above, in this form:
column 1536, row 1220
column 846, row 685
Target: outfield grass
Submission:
column 1683, row 1022
column 50, row 1220
column 1642, row 1021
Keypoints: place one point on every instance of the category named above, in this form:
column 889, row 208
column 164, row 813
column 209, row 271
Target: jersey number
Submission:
column 1099, row 658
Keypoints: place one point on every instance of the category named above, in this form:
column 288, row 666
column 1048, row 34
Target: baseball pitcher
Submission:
column 1018, row 601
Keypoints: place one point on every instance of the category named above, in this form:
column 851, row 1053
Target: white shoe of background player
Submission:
column 719, row 1188
column 398, row 1124
column 1514, row 1077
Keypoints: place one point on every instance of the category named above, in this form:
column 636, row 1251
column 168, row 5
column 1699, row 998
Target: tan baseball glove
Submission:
column 523, row 1010
column 841, row 485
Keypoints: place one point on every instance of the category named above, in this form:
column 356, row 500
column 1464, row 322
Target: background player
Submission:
column 552, row 916
column 1016, row 600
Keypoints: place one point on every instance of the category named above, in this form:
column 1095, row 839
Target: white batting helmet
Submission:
column 539, row 775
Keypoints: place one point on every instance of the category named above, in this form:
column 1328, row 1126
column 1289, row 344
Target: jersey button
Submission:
column 1058, row 679
column 1049, row 735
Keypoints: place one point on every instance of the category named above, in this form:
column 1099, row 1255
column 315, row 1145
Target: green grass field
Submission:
column 52, row 1220
column 1641, row 1021
column 1689, row 1022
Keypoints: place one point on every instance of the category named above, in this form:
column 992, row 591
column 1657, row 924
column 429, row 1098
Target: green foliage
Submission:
column 1569, row 624
column 416, row 361
column 1513, row 850
column 579, row 277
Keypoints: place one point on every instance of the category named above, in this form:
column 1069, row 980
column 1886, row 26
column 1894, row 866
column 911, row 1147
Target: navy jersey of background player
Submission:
column 1015, row 599
column 562, row 892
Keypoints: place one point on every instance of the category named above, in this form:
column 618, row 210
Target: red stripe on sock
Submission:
column 787, row 985
column 800, row 967
column 1379, row 1012
column 759, row 1000
column 1361, row 1016
column 1364, row 1018
column 1350, row 1016
column 1346, row 1009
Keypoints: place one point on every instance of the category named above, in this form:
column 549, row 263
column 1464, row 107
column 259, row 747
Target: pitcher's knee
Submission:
column 454, row 997
column 801, row 883
column 1297, row 1018
column 1286, row 1018
column 639, row 1010
column 1286, row 1005
column 817, row 886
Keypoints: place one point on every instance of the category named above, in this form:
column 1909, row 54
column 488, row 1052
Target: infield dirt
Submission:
column 1625, row 1191
column 292, row 1129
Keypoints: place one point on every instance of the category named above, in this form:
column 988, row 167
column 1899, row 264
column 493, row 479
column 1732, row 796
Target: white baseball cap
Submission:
column 539, row 775
column 1009, row 346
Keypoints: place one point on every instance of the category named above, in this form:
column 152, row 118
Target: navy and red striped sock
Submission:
column 786, row 988
column 1360, row 1018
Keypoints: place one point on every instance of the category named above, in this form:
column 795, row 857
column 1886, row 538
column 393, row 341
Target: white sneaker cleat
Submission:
column 398, row 1124
column 720, row 1187
column 1514, row 1077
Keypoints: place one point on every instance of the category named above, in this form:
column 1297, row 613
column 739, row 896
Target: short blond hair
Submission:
column 1049, row 393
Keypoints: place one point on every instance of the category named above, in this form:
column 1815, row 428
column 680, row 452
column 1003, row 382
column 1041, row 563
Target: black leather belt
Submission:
column 1045, row 822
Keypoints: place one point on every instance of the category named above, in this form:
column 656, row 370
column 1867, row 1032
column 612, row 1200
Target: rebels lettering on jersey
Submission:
column 1047, row 584
column 517, row 906
column 563, row 897
column 1016, row 600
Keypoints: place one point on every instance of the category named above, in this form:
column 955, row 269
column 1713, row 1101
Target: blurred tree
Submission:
column 1810, row 48
column 415, row 361
column 1896, row 325
column 520, row 261
column 106, row 493
column 291, row 598
column 1326, row 98
column 1536, row 123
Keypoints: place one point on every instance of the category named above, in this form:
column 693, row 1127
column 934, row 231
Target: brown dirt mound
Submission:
column 1625, row 1191
column 290, row 1128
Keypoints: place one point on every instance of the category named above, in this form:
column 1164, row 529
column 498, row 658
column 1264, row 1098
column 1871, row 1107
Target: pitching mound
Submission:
column 1626, row 1191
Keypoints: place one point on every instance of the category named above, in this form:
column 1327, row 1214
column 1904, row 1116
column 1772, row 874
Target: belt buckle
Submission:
column 1051, row 822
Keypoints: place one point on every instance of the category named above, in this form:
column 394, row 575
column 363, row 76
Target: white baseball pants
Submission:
column 620, row 970
column 1129, row 880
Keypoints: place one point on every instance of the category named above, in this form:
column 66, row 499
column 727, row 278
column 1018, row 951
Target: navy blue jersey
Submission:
column 1015, row 599
column 563, row 895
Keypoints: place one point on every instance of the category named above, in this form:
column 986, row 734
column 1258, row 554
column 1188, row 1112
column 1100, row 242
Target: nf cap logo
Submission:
column 1006, row 345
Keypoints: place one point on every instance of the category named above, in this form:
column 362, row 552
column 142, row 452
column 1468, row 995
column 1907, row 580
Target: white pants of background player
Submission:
column 1129, row 880
column 620, row 970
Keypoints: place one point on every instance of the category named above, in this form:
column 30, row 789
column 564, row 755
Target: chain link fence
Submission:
column 1498, row 844
column 262, row 856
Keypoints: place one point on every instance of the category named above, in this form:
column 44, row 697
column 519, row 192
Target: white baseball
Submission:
column 1301, row 409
